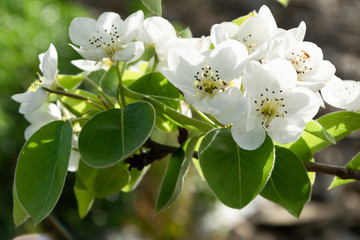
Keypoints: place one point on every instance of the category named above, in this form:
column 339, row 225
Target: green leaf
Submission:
column 79, row 107
column 179, row 119
column 353, row 164
column 156, row 85
column 323, row 132
column 339, row 125
column 19, row 214
column 154, row 6
column 135, row 178
column 284, row 2
column 85, row 200
column 111, row 180
column 289, row 185
column 113, row 135
column 41, row 169
column 84, row 188
column 239, row 21
column 236, row 176
column 175, row 174
column 70, row 81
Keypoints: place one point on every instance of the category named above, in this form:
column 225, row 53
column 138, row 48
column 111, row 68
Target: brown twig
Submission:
column 341, row 172
column 159, row 151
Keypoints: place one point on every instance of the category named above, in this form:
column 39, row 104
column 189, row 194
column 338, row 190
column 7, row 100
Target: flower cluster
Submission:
column 254, row 77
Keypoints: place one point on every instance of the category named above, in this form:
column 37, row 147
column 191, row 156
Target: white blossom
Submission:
column 35, row 96
column 108, row 37
column 344, row 94
column 312, row 71
column 159, row 32
column 274, row 105
column 208, row 80
column 252, row 33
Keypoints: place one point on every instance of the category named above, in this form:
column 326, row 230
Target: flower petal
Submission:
column 228, row 106
column 248, row 139
column 286, row 130
column 301, row 103
column 81, row 30
column 93, row 54
column 229, row 59
column 132, row 26
column 49, row 64
column 37, row 99
column 222, row 32
column 106, row 21
column 130, row 52
column 86, row 65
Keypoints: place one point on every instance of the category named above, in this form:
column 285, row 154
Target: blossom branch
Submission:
column 341, row 172
column 159, row 151
column 72, row 95
column 98, row 88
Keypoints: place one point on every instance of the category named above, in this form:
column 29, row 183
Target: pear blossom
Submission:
column 159, row 32
column 47, row 113
column 313, row 72
column 108, row 37
column 275, row 106
column 252, row 33
column 209, row 80
column 280, row 44
column 35, row 96
column 344, row 94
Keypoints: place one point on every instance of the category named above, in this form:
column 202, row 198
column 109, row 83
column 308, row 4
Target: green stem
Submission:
column 75, row 96
column 121, row 97
column 97, row 87
column 74, row 120
column 204, row 116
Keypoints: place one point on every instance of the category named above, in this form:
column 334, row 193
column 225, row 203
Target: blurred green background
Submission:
column 27, row 27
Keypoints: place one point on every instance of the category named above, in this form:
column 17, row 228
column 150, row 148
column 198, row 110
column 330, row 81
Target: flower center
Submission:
column 270, row 106
column 108, row 40
column 301, row 62
column 208, row 81
column 35, row 85
column 249, row 43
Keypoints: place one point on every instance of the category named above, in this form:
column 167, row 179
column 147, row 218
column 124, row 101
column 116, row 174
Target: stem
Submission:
column 72, row 95
column 97, row 87
column 341, row 172
column 74, row 120
column 121, row 97
column 60, row 227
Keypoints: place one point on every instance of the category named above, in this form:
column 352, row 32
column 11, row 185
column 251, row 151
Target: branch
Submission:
column 73, row 95
column 341, row 172
column 159, row 151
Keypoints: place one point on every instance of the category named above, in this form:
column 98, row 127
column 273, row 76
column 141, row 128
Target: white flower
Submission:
column 313, row 72
column 47, row 113
column 275, row 105
column 279, row 44
column 344, row 94
column 252, row 33
column 159, row 32
column 207, row 79
column 92, row 66
column 108, row 37
column 35, row 96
